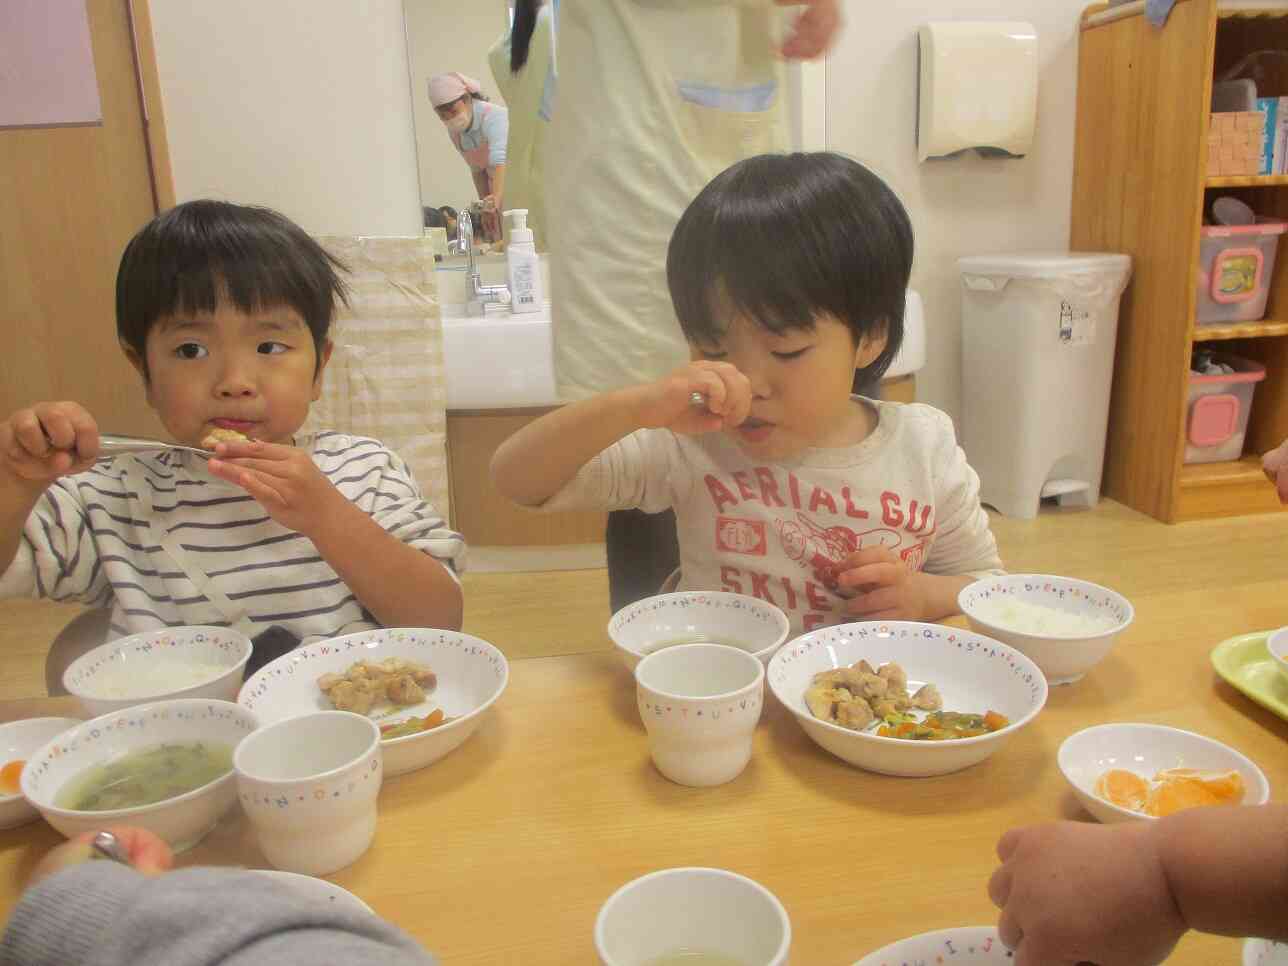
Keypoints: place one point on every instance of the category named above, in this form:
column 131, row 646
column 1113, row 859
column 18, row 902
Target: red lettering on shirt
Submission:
column 741, row 536
column 744, row 485
column 811, row 621
column 719, row 493
column 729, row 580
column 760, row 586
column 768, row 487
column 791, row 593
column 891, row 511
column 816, row 597
column 850, row 509
column 794, row 486
column 820, row 497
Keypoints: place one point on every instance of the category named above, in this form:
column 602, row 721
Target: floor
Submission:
column 1160, row 568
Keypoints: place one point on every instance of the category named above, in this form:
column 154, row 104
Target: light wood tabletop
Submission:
column 504, row 851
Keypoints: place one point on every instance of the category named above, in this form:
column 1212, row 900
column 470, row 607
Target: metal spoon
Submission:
column 112, row 444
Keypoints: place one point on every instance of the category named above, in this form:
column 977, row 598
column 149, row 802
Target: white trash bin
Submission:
column 1038, row 334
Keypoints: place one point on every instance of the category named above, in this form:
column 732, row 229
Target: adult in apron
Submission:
column 480, row 130
column 652, row 101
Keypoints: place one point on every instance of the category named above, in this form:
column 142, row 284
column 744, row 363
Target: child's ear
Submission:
column 871, row 346
column 141, row 367
column 323, row 358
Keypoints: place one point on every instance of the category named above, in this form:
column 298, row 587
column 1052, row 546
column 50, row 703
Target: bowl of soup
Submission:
column 176, row 662
column 165, row 767
column 698, row 617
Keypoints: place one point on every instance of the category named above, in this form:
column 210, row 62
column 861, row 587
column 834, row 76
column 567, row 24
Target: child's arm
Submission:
column 401, row 585
column 1123, row 895
column 539, row 460
column 1275, row 464
column 37, row 446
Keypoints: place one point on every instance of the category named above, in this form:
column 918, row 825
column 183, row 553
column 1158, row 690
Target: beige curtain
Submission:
column 386, row 377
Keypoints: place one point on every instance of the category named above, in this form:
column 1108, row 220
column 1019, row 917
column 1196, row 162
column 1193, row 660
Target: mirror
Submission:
column 471, row 39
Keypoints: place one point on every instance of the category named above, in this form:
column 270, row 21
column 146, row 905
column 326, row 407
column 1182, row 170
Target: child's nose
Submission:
column 235, row 381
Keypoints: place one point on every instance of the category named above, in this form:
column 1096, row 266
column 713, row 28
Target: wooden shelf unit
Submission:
column 1239, row 330
column 1140, row 187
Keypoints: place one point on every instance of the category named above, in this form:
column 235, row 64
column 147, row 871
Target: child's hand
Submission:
column 1275, row 464
column 147, row 853
column 883, row 586
column 668, row 403
column 1074, row 892
column 46, row 441
column 284, row 481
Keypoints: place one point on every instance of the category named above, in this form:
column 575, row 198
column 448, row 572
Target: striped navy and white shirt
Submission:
column 95, row 539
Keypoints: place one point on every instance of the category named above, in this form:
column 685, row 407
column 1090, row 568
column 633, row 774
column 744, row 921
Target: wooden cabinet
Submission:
column 1141, row 187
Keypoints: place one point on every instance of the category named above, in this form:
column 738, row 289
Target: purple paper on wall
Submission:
column 47, row 75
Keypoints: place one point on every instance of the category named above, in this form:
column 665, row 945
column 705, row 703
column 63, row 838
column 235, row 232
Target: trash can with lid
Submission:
column 1038, row 335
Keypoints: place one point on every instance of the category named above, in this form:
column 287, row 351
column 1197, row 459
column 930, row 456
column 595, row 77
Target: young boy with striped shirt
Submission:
column 225, row 311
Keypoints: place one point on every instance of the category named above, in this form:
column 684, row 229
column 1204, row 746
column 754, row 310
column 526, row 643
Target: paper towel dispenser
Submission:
column 978, row 89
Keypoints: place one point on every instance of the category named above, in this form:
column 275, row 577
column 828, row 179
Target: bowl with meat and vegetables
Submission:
column 906, row 698
column 428, row 690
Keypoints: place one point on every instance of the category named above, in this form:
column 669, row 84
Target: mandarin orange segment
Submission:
column 1123, row 788
column 9, row 778
column 1226, row 787
column 1173, row 796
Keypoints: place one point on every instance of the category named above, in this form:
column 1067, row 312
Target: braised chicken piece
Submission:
column 367, row 685
column 858, row 695
column 221, row 435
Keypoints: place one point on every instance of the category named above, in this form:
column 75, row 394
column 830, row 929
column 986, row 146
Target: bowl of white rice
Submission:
column 177, row 662
column 1065, row 626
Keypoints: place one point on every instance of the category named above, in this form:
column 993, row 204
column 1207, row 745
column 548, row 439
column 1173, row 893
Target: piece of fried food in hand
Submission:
column 220, row 435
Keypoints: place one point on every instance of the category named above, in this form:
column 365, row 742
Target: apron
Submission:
column 477, row 159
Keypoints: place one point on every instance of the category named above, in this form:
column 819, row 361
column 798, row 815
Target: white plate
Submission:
column 18, row 741
column 471, row 676
column 1147, row 749
column 318, row 890
column 973, row 673
column 1263, row 952
column 963, row 946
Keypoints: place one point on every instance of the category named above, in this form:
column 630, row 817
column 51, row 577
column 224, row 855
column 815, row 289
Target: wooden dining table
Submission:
column 504, row 851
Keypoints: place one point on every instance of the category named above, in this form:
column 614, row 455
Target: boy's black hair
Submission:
column 783, row 238
column 201, row 253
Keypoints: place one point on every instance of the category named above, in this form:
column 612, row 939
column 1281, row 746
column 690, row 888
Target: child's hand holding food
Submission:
column 882, row 586
column 48, row 440
column 669, row 403
column 283, row 480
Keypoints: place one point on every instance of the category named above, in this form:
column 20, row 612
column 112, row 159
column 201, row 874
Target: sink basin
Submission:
column 498, row 360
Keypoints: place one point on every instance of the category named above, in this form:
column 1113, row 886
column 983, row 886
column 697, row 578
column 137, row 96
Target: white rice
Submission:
column 129, row 679
column 1039, row 620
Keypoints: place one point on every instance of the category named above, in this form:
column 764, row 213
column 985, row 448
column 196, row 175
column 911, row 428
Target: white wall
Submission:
column 306, row 106
column 449, row 37
column 301, row 105
column 965, row 206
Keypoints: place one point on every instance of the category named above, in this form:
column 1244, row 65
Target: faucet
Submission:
column 479, row 295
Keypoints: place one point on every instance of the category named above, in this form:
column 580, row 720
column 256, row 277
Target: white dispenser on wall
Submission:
column 978, row 89
column 524, row 266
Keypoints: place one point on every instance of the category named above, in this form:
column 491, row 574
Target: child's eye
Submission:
column 191, row 350
column 791, row 355
column 272, row 348
column 711, row 353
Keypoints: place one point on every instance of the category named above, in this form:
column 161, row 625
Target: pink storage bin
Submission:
column 1236, row 263
column 1219, row 406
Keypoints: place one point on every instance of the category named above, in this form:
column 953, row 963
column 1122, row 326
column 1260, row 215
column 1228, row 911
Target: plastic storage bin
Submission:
column 1236, row 263
column 1038, row 336
column 1219, row 407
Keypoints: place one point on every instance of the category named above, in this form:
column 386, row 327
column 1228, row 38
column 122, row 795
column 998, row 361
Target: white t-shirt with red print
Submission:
column 777, row 530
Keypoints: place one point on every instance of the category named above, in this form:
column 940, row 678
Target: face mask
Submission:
column 458, row 123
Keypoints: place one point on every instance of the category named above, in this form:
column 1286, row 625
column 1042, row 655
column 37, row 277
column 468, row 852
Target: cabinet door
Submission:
column 70, row 198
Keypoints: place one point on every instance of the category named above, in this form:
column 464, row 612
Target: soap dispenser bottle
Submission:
column 524, row 266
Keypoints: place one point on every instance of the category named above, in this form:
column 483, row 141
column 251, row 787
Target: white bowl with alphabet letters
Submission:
column 698, row 617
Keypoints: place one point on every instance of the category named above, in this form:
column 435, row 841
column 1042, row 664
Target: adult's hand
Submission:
column 814, row 30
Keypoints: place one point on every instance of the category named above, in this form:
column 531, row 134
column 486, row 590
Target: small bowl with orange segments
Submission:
column 1138, row 772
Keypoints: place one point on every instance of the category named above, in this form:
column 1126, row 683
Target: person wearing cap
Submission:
column 479, row 129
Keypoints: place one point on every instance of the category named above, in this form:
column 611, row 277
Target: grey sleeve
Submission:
column 104, row 914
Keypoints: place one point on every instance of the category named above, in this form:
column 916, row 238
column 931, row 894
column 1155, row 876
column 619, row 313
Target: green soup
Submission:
column 146, row 776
